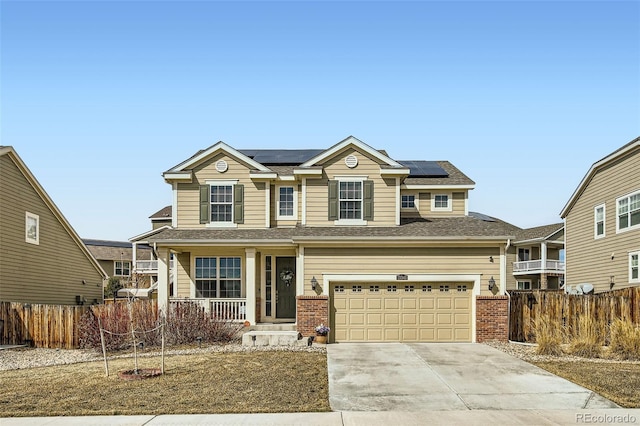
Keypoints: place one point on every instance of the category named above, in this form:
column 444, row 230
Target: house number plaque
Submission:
column 402, row 277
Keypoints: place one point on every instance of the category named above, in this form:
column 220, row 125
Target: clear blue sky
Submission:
column 99, row 98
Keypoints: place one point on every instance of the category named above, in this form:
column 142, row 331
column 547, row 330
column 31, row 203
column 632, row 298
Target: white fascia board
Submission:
column 147, row 234
column 263, row 175
column 400, row 242
column 222, row 243
column 287, row 178
column 404, row 186
column 307, row 172
column 214, row 148
column 356, row 142
column 395, row 172
column 185, row 176
column 592, row 171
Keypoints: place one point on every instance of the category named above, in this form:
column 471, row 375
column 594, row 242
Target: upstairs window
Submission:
column 408, row 201
column 599, row 221
column 32, row 228
column 629, row 212
column 351, row 201
column 221, row 203
column 441, row 202
column 350, row 197
column 286, row 202
column 122, row 268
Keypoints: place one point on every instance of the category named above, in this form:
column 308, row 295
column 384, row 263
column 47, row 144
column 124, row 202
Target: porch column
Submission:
column 543, row 259
column 163, row 280
column 250, row 280
column 134, row 249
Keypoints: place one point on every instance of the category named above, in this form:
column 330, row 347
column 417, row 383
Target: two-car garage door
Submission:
column 412, row 312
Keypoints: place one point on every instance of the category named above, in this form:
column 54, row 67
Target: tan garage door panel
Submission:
column 407, row 313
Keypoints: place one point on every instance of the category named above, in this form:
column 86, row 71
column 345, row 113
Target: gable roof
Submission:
column 357, row 143
column 543, row 232
column 213, row 149
column 454, row 177
column 11, row 153
column 116, row 250
column 634, row 144
column 162, row 214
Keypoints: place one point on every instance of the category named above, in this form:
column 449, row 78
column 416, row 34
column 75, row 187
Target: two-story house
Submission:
column 602, row 223
column 536, row 258
column 379, row 249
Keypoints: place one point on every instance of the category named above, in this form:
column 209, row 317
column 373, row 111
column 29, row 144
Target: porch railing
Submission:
column 536, row 266
column 150, row 266
column 227, row 309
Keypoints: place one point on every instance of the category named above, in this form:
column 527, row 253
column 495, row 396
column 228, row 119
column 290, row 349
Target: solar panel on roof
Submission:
column 424, row 169
column 281, row 156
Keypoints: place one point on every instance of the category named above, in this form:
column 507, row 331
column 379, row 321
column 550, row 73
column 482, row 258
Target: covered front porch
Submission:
column 251, row 285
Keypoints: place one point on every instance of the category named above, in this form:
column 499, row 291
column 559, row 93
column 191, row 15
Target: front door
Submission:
column 285, row 287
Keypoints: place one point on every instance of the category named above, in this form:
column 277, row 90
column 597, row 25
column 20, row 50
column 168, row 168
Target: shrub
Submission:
column 588, row 339
column 112, row 287
column 625, row 339
column 549, row 336
column 187, row 323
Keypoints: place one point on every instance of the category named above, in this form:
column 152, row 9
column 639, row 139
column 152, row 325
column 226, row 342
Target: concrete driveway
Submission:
column 442, row 376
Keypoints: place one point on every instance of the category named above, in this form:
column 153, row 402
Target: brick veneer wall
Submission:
column 311, row 311
column 492, row 318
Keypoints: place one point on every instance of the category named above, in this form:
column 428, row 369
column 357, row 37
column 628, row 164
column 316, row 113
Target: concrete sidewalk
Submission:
column 353, row 418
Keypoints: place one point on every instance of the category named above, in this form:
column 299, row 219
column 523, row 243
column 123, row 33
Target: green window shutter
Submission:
column 333, row 200
column 205, row 192
column 238, row 203
column 368, row 200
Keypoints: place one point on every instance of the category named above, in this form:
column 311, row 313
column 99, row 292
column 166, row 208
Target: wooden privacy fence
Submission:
column 42, row 326
column 527, row 306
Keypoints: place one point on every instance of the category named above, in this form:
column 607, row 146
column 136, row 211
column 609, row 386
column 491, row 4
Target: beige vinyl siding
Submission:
column 183, row 265
column 511, row 255
column 48, row 273
column 384, row 192
column 446, row 260
column 160, row 223
column 189, row 193
column 594, row 261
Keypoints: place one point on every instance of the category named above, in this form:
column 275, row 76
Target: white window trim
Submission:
column 294, row 216
column 629, row 228
column 442, row 209
column 222, row 182
column 350, row 222
column 528, row 250
column 595, row 221
column 27, row 238
column 523, row 281
column 192, row 279
column 631, row 254
column 115, row 267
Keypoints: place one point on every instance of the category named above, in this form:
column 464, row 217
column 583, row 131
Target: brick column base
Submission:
column 492, row 318
column 311, row 311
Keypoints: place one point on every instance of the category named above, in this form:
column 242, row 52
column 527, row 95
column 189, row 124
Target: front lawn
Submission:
column 617, row 381
column 240, row 382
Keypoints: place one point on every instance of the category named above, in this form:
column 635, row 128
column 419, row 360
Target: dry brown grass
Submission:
column 625, row 339
column 245, row 382
column 549, row 336
column 619, row 382
column 587, row 341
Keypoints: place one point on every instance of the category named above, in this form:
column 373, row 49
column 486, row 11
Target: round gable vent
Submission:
column 351, row 161
column 222, row 166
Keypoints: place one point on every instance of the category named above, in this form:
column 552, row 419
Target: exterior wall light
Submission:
column 492, row 283
column 314, row 283
column 612, row 282
column 491, row 259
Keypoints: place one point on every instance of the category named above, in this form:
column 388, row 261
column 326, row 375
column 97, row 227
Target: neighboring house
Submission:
column 42, row 258
column 536, row 258
column 116, row 257
column 161, row 218
column 379, row 249
column 602, row 223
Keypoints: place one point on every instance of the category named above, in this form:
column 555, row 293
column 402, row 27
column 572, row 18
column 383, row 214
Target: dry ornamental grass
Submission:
column 245, row 382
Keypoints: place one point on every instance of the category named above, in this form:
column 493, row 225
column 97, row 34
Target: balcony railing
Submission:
column 226, row 309
column 150, row 266
column 535, row 266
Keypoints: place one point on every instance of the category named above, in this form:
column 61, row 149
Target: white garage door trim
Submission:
column 327, row 279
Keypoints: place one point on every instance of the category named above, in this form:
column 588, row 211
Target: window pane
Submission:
column 442, row 201
column 623, row 221
column 230, row 288
column 286, row 201
column 623, row 206
column 350, row 200
column 205, row 288
column 221, row 203
column 635, row 218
